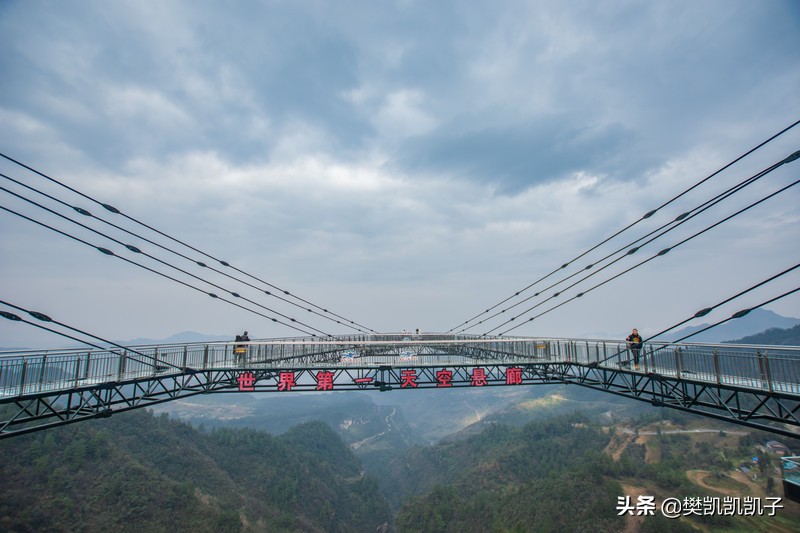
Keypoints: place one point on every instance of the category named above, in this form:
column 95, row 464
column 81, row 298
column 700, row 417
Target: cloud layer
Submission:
column 405, row 164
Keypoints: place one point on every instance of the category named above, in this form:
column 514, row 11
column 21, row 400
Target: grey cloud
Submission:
column 514, row 158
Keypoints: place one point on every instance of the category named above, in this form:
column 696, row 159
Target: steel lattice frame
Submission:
column 729, row 403
column 168, row 373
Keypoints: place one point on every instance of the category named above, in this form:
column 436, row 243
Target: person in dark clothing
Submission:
column 240, row 350
column 635, row 344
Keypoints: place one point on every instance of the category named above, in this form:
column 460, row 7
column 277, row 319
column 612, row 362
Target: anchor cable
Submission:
column 643, row 217
column 109, row 252
column 703, row 312
column 137, row 250
column 675, row 223
column 116, row 211
column 44, row 318
column 659, row 254
column 199, row 263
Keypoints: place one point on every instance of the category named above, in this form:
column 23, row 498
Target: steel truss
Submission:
column 738, row 405
column 752, row 386
column 729, row 403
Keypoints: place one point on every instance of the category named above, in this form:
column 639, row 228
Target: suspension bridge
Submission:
column 756, row 386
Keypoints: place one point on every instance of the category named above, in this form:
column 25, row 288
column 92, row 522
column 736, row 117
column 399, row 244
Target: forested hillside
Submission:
column 141, row 472
column 567, row 473
column 138, row 472
column 542, row 476
column 773, row 336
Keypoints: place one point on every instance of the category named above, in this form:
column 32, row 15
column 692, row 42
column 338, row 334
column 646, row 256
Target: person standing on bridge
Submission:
column 635, row 345
column 241, row 350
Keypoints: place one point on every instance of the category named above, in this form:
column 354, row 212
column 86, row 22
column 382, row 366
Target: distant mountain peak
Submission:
column 756, row 321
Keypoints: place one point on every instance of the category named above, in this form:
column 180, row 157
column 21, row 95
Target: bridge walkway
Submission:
column 751, row 385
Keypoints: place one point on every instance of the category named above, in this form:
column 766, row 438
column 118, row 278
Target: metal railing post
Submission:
column 764, row 367
column 121, row 370
column 22, row 378
column 678, row 362
column 77, row 369
column 715, row 356
column 41, row 372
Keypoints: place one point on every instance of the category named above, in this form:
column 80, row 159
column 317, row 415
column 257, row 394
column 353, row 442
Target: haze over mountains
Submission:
column 756, row 321
column 429, row 460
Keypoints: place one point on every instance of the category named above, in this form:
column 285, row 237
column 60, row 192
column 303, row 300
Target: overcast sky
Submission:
column 401, row 164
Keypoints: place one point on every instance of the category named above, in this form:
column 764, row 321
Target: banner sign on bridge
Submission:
column 384, row 377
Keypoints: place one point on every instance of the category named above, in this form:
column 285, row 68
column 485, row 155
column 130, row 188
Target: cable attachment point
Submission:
column 111, row 208
column 40, row 316
column 82, row 211
column 10, row 316
column 703, row 312
column 740, row 314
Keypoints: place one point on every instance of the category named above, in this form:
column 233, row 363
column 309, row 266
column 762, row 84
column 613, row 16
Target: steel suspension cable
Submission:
column 682, row 218
column 199, row 263
column 644, row 217
column 109, row 252
column 659, row 254
column 703, row 312
column 678, row 221
column 44, row 318
column 739, row 314
column 116, row 211
column 135, row 249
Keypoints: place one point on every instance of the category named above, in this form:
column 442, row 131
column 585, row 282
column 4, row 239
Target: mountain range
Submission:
column 756, row 321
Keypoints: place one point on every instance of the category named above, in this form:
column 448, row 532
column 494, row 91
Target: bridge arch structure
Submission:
column 755, row 386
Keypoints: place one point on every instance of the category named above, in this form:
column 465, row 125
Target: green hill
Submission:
column 541, row 476
column 141, row 472
column 138, row 472
column 773, row 336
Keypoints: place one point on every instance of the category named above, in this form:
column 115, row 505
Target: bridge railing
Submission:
column 50, row 371
column 769, row 368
